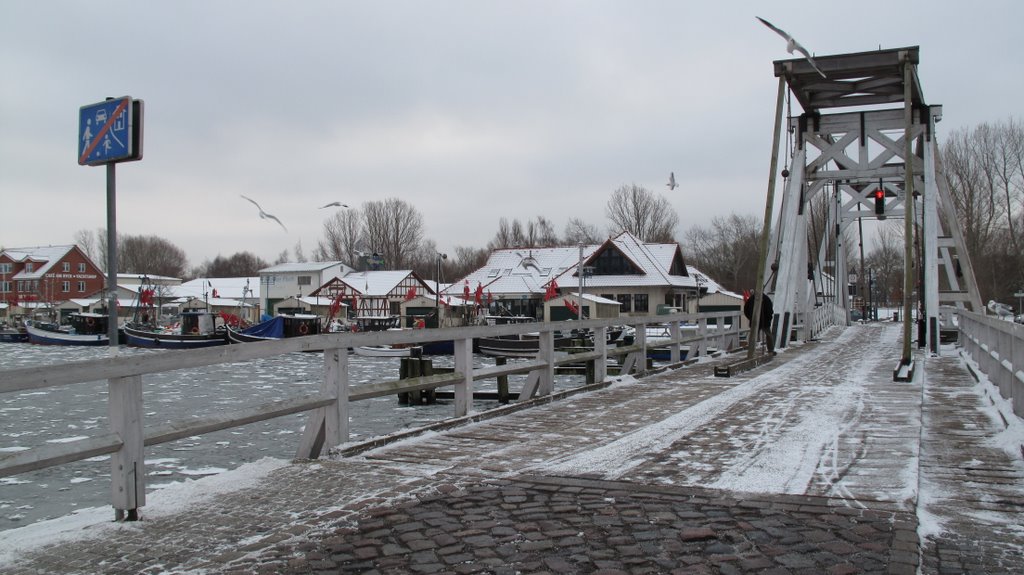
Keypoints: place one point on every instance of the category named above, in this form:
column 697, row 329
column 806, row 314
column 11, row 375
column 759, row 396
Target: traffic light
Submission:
column 879, row 195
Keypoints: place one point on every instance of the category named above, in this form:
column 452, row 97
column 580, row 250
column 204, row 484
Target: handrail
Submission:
column 328, row 422
column 997, row 346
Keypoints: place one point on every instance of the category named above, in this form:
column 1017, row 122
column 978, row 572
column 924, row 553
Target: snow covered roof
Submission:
column 375, row 283
column 711, row 285
column 295, row 267
column 529, row 271
column 48, row 256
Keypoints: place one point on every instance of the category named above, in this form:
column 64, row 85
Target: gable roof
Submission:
column 379, row 283
column 298, row 267
column 530, row 270
column 48, row 256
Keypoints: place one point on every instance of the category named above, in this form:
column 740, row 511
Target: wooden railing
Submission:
column 998, row 347
column 328, row 423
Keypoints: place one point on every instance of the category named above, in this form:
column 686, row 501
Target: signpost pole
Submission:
column 112, row 255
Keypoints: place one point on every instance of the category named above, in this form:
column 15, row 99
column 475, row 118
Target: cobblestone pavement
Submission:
column 675, row 473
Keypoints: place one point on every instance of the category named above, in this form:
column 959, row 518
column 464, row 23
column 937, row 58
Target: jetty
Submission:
column 815, row 462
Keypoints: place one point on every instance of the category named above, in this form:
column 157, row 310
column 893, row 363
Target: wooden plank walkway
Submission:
column 811, row 463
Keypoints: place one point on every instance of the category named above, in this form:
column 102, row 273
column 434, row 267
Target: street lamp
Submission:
column 437, row 287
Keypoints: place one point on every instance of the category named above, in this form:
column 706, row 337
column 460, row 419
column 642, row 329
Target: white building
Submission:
column 283, row 281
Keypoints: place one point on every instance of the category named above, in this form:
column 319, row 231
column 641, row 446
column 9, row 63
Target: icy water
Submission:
column 60, row 414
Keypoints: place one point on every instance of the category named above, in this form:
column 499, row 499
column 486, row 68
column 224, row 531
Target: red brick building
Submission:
column 50, row 274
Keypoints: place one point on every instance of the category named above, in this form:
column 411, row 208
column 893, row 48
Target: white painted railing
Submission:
column 998, row 347
column 328, row 422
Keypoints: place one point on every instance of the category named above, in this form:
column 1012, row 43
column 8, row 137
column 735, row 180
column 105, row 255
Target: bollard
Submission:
column 502, row 382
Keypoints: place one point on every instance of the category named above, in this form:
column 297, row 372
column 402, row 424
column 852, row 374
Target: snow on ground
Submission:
column 96, row 521
column 787, row 466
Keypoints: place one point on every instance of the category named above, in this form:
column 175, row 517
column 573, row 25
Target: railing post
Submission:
column 546, row 352
column 127, row 465
column 463, row 365
column 601, row 347
column 673, row 350
column 335, row 383
column 702, row 332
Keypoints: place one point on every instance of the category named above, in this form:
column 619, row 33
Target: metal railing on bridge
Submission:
column 328, row 422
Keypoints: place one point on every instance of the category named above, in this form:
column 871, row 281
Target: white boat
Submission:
column 386, row 351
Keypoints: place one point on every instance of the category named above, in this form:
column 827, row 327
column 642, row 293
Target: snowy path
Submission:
column 823, row 423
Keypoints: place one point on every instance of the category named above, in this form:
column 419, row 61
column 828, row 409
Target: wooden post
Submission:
column 908, row 206
column 335, row 383
column 766, row 231
column 463, row 365
column 673, row 350
column 546, row 352
column 601, row 346
column 502, row 381
column 702, row 332
column 127, row 465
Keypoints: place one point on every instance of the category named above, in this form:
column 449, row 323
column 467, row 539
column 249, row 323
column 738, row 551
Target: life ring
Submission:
column 195, row 329
column 90, row 321
column 303, row 329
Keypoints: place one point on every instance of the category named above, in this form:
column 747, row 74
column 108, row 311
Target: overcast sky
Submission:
column 470, row 110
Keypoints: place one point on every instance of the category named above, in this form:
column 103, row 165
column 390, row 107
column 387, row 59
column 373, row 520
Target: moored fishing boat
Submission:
column 83, row 329
column 277, row 327
column 196, row 330
column 13, row 335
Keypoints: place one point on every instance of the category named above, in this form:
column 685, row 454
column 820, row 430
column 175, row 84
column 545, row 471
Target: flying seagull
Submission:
column 265, row 215
column 334, row 204
column 792, row 44
column 672, row 181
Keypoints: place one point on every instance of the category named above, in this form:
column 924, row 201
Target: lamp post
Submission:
column 437, row 288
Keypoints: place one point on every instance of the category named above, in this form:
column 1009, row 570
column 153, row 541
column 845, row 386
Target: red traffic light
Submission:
column 879, row 195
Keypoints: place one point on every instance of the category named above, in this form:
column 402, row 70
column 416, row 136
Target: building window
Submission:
column 65, row 266
column 640, row 302
column 81, row 267
column 81, row 287
column 305, row 280
column 5, row 268
column 30, row 267
column 612, row 262
column 5, row 286
column 627, row 302
column 65, row 287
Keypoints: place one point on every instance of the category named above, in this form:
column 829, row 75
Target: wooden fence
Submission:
column 328, row 422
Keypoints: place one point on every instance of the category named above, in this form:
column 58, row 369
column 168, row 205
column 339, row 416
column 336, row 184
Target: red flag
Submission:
column 465, row 290
column 336, row 304
column 552, row 291
column 215, row 293
column 572, row 307
column 490, row 298
column 411, row 293
column 479, row 296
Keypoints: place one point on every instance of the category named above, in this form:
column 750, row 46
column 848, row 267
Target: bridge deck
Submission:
column 815, row 462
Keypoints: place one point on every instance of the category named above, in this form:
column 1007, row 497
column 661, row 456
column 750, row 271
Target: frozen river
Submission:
column 59, row 414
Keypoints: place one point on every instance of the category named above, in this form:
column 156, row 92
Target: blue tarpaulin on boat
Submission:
column 273, row 327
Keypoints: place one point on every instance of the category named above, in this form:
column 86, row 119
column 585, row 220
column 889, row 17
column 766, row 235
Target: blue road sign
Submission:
column 105, row 132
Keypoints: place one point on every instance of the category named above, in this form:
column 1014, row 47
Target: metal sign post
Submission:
column 109, row 132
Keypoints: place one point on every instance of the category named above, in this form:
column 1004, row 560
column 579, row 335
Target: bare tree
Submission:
column 393, row 229
column 341, row 238
column 984, row 167
column 297, row 250
column 637, row 210
column 282, row 258
column 466, row 261
column 86, row 241
column 536, row 233
column 579, row 232
column 241, row 264
column 150, row 255
column 727, row 250
column 885, row 260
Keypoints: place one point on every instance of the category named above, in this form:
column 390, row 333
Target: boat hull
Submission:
column 149, row 339
column 47, row 337
column 13, row 336
column 385, row 351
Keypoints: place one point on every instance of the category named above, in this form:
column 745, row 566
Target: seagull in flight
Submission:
column 335, row 205
column 265, row 215
column 672, row 181
column 792, row 44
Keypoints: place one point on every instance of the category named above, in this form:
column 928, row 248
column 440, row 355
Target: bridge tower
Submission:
column 863, row 149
